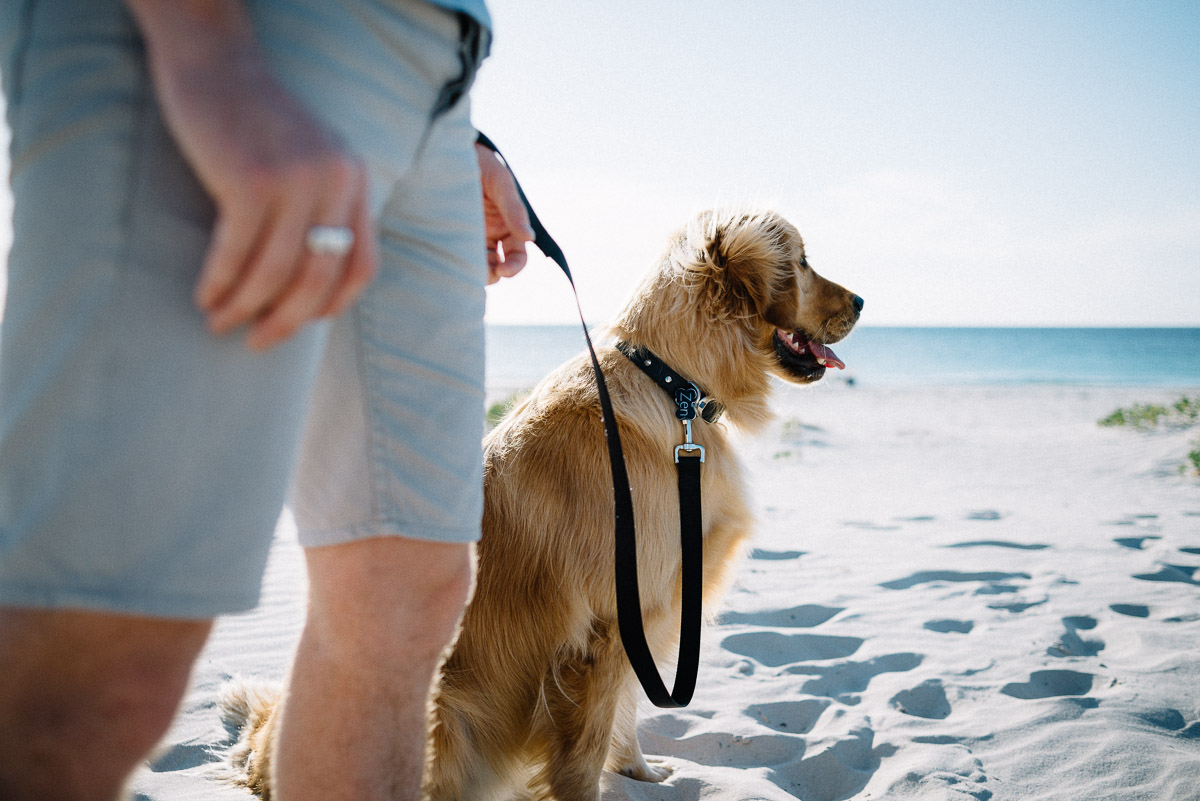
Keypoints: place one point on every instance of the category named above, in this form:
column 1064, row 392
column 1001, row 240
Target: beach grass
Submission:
column 496, row 411
column 1183, row 413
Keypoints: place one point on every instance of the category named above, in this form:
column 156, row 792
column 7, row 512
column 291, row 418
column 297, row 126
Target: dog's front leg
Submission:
column 625, row 756
column 581, row 694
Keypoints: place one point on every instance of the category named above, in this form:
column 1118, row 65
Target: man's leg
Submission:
column 85, row 696
column 380, row 613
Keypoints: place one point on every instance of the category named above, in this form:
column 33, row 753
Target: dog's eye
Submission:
column 804, row 263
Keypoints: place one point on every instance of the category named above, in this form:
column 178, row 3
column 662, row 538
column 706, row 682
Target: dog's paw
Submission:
column 653, row 771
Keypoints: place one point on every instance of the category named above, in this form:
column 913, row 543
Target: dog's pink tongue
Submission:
column 826, row 356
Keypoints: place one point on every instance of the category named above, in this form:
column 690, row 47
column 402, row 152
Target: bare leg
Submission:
column 85, row 696
column 353, row 719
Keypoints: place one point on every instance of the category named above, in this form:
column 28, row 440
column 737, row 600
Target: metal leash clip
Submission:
column 687, row 400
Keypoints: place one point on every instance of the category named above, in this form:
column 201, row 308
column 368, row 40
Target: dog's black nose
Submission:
column 858, row 303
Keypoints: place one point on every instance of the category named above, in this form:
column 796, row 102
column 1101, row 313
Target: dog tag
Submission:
column 686, row 399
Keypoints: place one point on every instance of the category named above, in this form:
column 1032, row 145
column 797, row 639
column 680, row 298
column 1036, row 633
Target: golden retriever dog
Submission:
column 536, row 697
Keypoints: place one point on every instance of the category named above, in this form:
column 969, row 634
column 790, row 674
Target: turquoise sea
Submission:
column 518, row 356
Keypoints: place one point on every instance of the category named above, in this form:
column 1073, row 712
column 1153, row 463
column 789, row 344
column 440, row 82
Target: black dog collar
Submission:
column 688, row 398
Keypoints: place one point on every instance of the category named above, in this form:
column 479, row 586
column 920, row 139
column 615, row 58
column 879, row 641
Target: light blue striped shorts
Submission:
column 144, row 462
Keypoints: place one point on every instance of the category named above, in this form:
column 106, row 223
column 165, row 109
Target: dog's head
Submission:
column 733, row 301
column 751, row 269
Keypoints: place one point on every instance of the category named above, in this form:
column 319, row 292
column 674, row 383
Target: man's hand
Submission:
column 271, row 168
column 504, row 217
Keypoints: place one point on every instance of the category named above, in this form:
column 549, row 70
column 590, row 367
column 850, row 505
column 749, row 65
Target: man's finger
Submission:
column 507, row 201
column 233, row 240
column 297, row 305
column 268, row 272
column 515, row 256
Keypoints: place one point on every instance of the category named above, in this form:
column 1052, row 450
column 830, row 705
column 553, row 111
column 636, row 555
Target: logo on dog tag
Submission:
column 686, row 399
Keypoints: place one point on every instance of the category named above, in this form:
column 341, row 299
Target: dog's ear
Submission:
column 756, row 256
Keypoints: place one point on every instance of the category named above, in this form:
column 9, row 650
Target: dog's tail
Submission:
column 245, row 703
column 248, row 707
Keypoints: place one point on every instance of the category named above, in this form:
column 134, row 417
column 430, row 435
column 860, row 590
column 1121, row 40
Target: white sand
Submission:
column 955, row 593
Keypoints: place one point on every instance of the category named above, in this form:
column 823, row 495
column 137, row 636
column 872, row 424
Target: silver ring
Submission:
column 331, row 240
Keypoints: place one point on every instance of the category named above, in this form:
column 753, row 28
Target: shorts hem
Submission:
column 320, row 538
column 171, row 607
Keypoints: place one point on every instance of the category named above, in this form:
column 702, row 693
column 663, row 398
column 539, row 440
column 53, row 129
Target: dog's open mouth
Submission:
column 802, row 356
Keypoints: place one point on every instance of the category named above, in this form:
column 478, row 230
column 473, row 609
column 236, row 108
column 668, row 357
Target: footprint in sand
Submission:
column 951, row 773
column 997, row 589
column 1183, row 574
column 1071, row 643
column 842, row 680
column 806, row 616
column 930, row 576
column 1017, row 607
column 926, row 700
column 948, row 626
column 1130, row 610
column 1171, row 720
column 776, row 650
column 1022, row 546
column 838, row 772
column 1134, row 543
column 793, row 717
column 775, row 556
column 1051, row 684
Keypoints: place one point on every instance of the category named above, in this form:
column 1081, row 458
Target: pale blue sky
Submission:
column 953, row 162
column 977, row 163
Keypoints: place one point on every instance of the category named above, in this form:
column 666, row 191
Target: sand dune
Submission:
column 954, row 593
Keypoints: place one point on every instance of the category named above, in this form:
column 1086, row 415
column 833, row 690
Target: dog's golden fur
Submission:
column 536, row 696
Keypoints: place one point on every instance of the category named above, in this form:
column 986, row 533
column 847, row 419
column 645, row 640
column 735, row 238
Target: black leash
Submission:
column 688, row 457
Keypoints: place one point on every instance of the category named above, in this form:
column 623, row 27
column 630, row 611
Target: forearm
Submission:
column 194, row 32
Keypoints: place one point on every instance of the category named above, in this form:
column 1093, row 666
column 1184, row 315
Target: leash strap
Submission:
column 629, row 606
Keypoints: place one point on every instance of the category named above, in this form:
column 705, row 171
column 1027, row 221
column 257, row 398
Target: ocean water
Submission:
column 518, row 356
